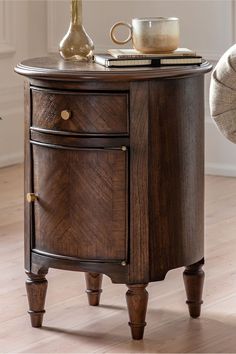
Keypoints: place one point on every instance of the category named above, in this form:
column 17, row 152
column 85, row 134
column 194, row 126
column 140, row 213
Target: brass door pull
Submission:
column 31, row 197
column 65, row 114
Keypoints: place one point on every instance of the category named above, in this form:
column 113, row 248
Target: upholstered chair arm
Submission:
column 223, row 94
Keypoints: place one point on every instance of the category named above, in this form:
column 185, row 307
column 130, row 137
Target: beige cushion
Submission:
column 223, row 94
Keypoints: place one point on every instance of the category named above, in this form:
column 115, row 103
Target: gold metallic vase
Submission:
column 76, row 45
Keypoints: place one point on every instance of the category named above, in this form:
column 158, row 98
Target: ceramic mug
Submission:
column 151, row 35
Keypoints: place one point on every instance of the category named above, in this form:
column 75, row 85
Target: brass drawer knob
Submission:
column 65, row 114
column 123, row 148
column 31, row 197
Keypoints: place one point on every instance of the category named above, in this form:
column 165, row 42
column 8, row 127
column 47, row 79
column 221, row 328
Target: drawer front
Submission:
column 81, row 209
column 91, row 113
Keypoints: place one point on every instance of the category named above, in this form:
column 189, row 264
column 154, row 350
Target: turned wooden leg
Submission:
column 93, row 284
column 36, row 286
column 137, row 299
column 193, row 281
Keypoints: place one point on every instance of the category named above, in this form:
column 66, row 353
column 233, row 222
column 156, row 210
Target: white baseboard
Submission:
column 12, row 159
column 220, row 170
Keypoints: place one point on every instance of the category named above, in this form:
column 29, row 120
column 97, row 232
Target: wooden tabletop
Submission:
column 55, row 68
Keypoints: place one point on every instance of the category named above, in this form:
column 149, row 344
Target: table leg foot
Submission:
column 36, row 286
column 193, row 281
column 93, row 284
column 137, row 299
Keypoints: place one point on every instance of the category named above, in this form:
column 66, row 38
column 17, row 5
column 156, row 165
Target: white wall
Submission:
column 19, row 37
column 206, row 25
column 11, row 110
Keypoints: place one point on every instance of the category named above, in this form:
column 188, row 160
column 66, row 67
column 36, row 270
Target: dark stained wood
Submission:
column 55, row 68
column 85, row 142
column 81, row 210
column 27, row 179
column 131, row 214
column 94, row 287
column 82, row 86
column 90, row 112
column 62, row 133
column 193, row 281
column 36, row 286
column 176, row 179
column 137, row 299
column 139, row 228
column 117, row 272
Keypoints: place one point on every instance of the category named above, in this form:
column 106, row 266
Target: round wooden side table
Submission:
column 114, row 178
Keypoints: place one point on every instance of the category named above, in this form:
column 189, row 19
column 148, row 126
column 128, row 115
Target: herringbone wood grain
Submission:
column 81, row 211
column 91, row 113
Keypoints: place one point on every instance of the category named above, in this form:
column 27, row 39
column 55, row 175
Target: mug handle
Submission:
column 113, row 37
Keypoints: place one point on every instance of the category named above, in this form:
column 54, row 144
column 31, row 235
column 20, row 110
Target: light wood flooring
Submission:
column 71, row 326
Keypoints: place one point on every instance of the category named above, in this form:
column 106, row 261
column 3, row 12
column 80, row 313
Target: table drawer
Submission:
column 91, row 113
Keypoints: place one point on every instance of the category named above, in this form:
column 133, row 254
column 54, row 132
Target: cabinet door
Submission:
column 81, row 209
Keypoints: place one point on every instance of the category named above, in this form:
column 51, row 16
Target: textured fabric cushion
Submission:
column 223, row 94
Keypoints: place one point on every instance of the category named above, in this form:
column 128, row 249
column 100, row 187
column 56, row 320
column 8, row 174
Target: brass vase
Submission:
column 76, row 45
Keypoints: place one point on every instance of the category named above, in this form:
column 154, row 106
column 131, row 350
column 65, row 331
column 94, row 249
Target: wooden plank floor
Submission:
column 71, row 326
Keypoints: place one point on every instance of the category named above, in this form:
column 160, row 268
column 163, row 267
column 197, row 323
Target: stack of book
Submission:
column 131, row 57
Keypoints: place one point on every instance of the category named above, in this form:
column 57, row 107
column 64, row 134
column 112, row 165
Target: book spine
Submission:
column 153, row 56
column 150, row 62
column 177, row 61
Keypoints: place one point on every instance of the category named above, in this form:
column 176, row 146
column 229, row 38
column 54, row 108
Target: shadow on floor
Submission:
column 166, row 332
